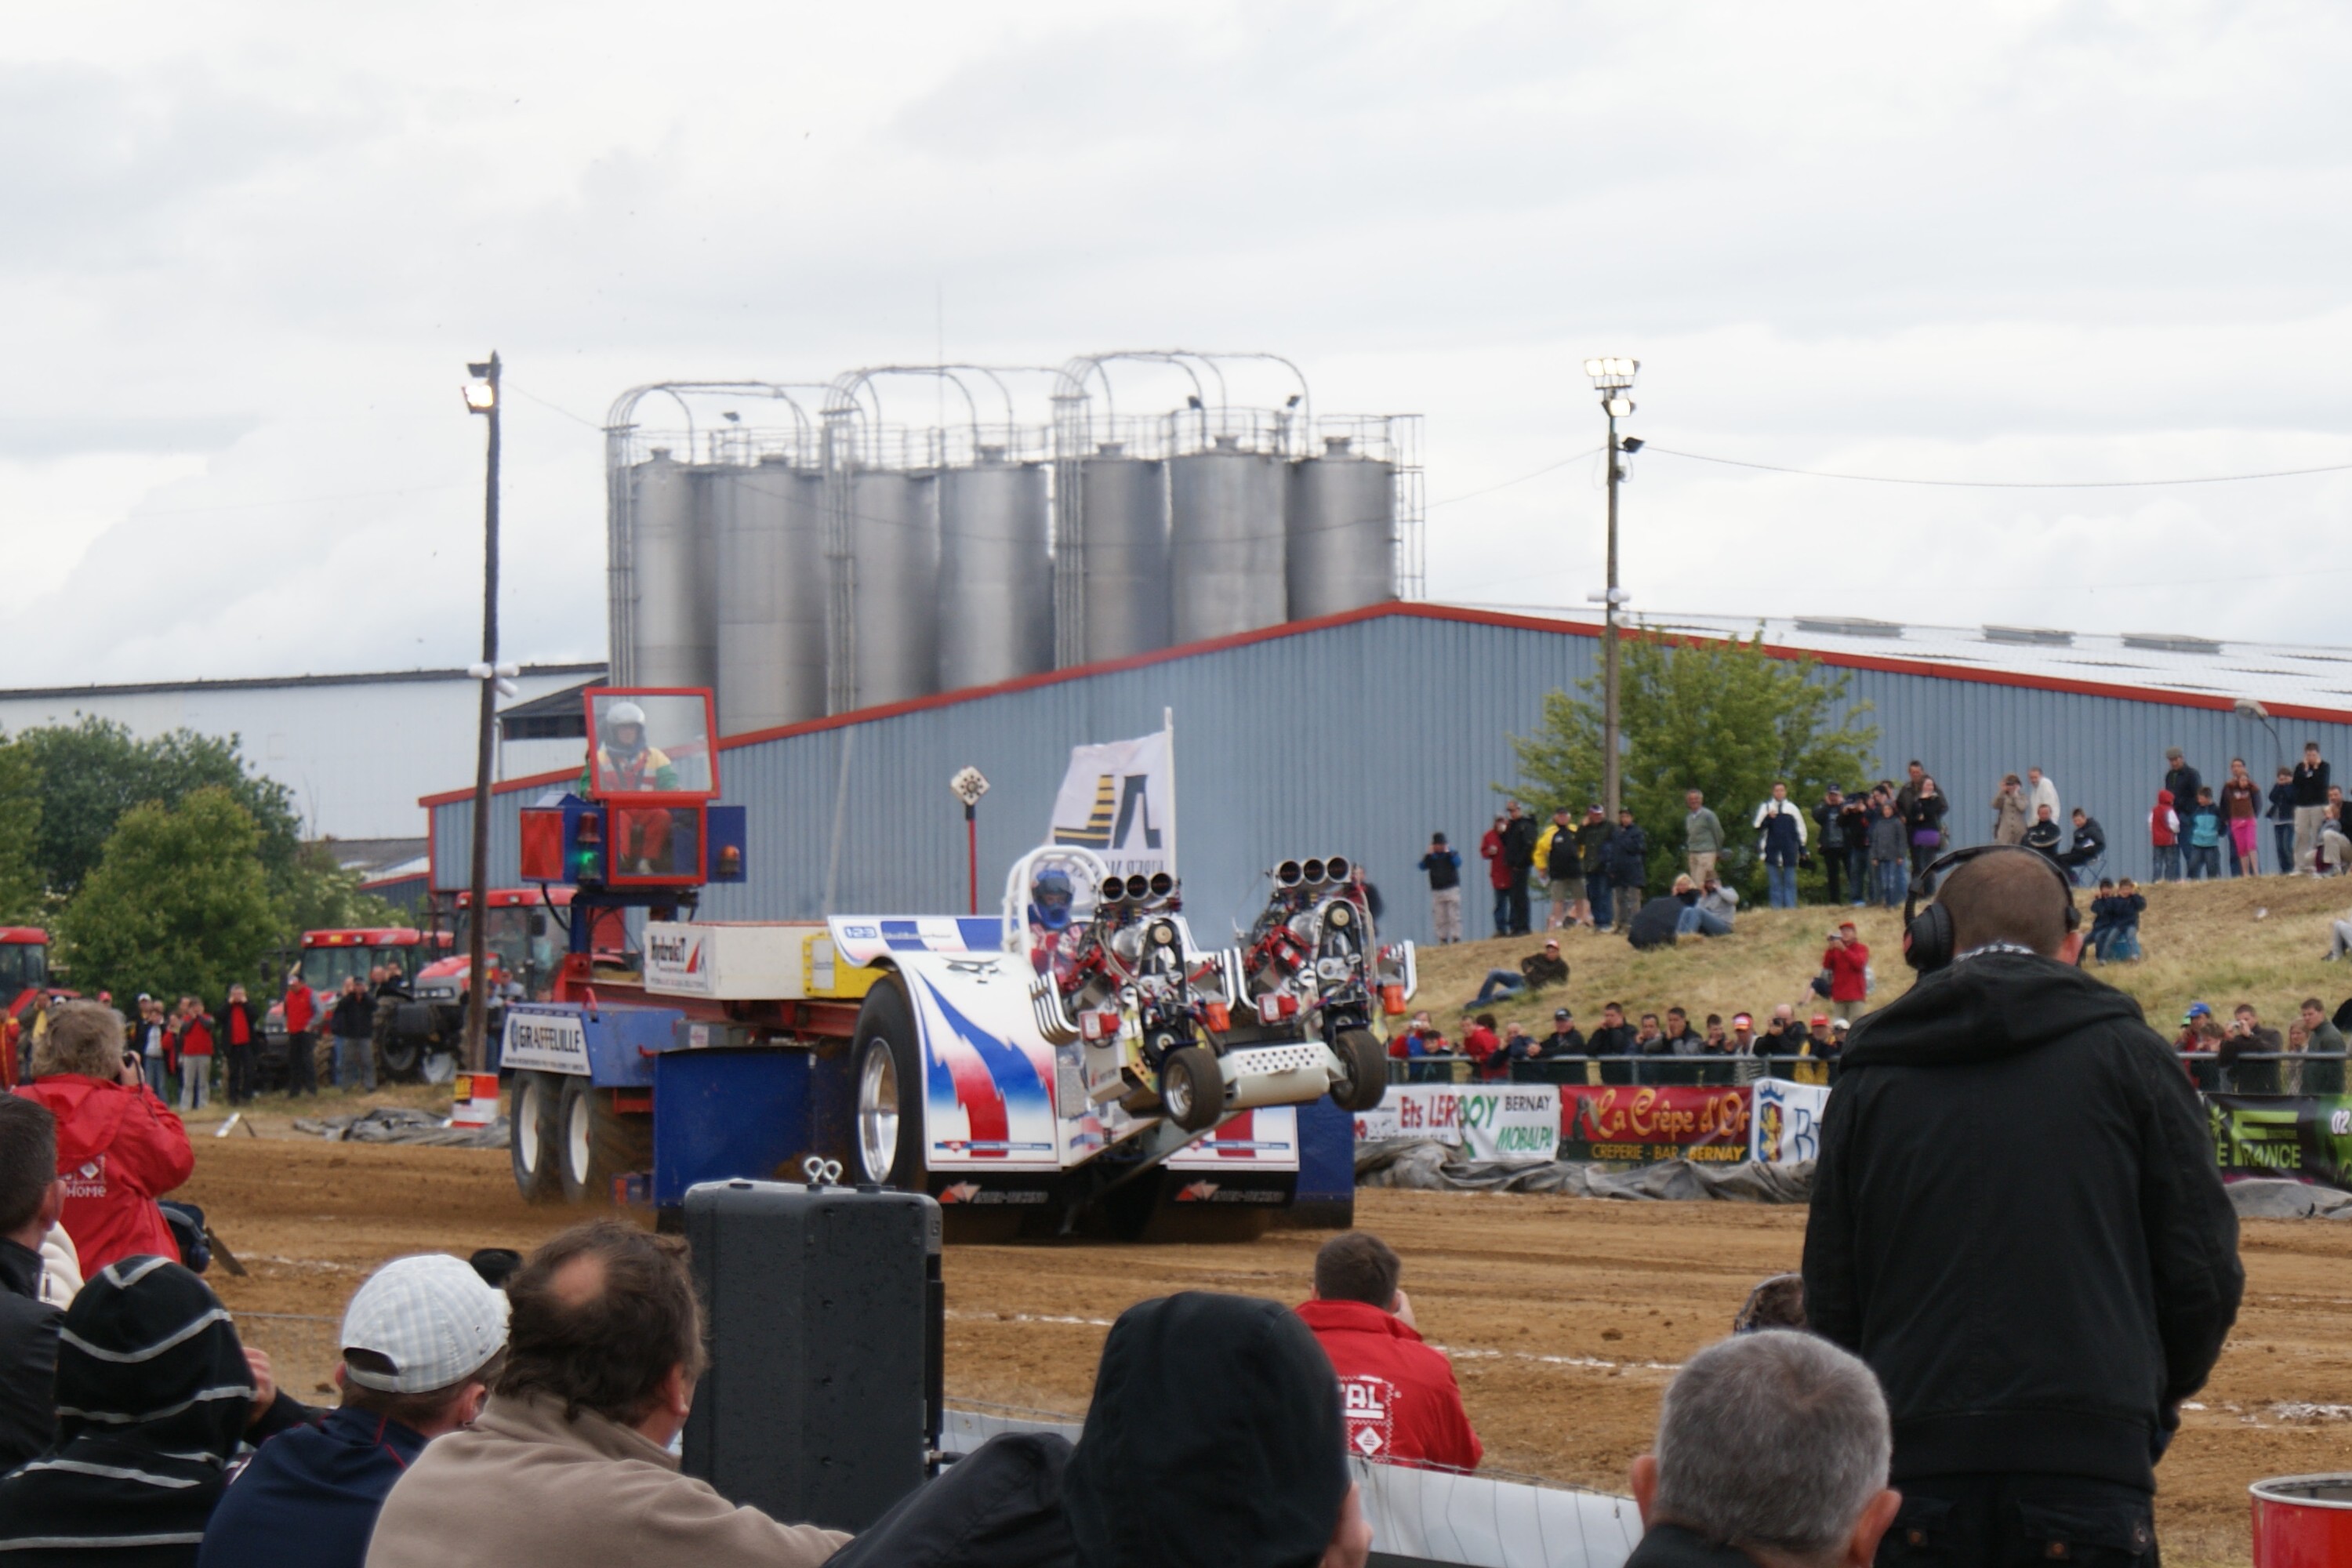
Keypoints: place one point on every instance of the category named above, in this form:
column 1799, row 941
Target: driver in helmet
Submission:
column 1050, row 894
column 624, row 763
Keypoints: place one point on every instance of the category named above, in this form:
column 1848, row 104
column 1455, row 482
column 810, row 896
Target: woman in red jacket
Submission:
column 119, row 1147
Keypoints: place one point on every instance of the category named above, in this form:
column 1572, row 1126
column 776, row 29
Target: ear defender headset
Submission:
column 1928, row 933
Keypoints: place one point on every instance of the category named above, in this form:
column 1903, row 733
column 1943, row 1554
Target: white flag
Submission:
column 1119, row 801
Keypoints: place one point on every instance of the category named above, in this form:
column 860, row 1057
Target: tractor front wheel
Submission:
column 1366, row 1067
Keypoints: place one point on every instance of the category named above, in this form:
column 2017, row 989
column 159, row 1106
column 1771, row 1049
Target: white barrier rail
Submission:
column 1430, row 1516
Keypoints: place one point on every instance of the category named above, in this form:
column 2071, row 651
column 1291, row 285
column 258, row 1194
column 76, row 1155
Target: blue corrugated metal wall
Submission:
column 1358, row 738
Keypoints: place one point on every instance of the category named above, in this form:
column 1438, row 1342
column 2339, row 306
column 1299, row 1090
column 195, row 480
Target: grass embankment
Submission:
column 2259, row 940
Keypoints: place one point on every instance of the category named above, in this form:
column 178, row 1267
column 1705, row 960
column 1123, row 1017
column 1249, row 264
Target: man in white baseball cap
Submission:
column 423, row 1340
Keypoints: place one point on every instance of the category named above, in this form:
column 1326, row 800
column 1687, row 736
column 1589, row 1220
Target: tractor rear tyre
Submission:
column 889, row 1142
column 398, row 1059
column 596, row 1143
column 1191, row 1090
column 531, row 1137
column 889, row 1082
column 1367, row 1069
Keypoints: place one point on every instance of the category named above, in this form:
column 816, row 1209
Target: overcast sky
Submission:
column 249, row 248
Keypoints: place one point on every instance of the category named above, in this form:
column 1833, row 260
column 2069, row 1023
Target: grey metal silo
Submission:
column 996, row 581
column 674, row 623
column 770, row 520
column 1124, row 507
column 1342, row 529
column 1225, row 540
column 894, row 558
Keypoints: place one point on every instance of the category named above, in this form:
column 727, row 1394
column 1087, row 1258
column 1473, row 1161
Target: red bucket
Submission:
column 2303, row 1522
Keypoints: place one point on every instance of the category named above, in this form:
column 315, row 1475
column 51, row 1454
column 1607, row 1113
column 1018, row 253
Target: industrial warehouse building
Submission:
column 1360, row 732
column 355, row 751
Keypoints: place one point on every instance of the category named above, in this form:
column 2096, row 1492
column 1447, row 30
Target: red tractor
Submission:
column 23, row 981
column 328, row 958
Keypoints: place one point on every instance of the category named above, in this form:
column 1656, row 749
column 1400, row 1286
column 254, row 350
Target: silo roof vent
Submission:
column 1849, row 626
column 1337, row 446
column 2171, row 642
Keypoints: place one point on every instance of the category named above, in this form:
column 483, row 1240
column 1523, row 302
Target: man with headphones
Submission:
column 2017, row 1223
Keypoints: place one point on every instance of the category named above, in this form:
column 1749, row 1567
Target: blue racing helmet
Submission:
column 1049, row 899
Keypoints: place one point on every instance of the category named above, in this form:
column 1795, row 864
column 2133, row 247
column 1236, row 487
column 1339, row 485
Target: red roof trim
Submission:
column 23, row 936
column 1462, row 615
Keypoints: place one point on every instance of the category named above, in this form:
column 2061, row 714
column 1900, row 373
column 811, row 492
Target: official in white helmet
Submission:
column 623, row 763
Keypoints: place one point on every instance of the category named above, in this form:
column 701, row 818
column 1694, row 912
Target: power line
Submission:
column 543, row 403
column 1999, row 484
column 1523, row 478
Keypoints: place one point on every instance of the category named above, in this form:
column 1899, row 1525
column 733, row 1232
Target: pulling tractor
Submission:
column 1076, row 1063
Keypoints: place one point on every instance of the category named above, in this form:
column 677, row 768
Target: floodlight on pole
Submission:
column 1613, row 377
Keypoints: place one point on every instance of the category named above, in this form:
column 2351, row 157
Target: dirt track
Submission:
column 1564, row 1315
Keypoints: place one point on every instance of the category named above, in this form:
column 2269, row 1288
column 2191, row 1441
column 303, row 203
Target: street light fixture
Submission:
column 1613, row 377
column 2247, row 707
column 482, row 398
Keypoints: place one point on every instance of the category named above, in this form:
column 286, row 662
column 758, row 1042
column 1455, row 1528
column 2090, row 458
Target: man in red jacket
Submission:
column 119, row 1147
column 1401, row 1403
column 301, row 1057
column 1848, row 961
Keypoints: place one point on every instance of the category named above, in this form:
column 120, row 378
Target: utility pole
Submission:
column 1612, row 378
column 482, row 397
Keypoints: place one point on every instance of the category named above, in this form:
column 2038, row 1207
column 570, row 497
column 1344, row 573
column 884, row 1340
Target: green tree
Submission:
column 177, row 904
column 88, row 774
column 1722, row 717
column 326, row 897
column 21, row 891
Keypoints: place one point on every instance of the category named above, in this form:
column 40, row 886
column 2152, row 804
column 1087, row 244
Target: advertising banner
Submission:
column 1517, row 1122
column 1119, row 801
column 1660, row 1121
column 1785, row 1120
column 2304, row 1137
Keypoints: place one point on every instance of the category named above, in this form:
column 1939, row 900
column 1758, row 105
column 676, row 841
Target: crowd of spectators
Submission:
column 1872, row 840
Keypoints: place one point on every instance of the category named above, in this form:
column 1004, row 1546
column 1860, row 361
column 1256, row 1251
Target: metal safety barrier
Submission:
column 1708, row 1070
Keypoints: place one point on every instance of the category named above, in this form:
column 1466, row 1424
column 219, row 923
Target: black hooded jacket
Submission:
column 1214, row 1440
column 2017, row 1221
column 152, row 1392
column 29, row 1358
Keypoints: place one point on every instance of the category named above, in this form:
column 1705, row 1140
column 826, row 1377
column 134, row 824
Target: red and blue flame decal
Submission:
column 991, row 1080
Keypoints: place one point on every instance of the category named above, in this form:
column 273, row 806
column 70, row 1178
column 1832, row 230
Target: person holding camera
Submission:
column 1847, row 964
column 119, row 1147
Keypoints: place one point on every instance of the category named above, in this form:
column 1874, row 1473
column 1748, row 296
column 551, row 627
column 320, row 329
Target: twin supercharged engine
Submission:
column 1314, row 956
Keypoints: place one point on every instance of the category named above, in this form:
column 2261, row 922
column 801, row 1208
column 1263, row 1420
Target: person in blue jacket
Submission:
column 423, row 1341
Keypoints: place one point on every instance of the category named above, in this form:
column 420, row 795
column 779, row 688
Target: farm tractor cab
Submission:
column 1078, row 1061
column 24, row 982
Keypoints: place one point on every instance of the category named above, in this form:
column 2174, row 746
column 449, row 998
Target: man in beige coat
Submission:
column 570, row 1461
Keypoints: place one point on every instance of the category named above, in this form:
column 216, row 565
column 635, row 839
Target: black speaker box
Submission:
column 821, row 1403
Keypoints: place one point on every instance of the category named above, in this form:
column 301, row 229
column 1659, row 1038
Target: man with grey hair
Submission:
column 1772, row 1449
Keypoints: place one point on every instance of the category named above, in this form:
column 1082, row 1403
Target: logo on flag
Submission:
column 1120, row 800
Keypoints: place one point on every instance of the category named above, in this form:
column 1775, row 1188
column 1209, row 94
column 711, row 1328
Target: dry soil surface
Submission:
column 1565, row 1316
